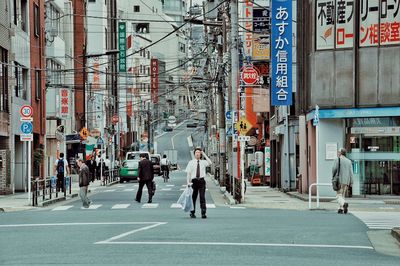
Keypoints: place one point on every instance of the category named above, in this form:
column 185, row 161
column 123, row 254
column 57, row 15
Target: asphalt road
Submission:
column 116, row 230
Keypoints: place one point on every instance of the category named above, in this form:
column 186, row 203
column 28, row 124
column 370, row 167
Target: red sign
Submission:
column 26, row 111
column 154, row 80
column 249, row 75
column 64, row 99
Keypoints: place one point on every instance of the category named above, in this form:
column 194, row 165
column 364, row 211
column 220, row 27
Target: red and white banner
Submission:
column 154, row 80
column 64, row 103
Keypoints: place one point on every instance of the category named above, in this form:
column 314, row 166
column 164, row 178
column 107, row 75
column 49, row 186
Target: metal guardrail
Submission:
column 46, row 189
column 310, row 197
column 111, row 176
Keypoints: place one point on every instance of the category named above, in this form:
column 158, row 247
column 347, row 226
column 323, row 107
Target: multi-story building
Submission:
column 60, row 86
column 349, row 90
column 6, row 138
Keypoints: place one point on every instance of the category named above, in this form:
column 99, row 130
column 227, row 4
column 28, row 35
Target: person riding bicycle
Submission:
column 165, row 165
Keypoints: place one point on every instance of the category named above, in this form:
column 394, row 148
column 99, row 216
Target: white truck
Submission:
column 172, row 156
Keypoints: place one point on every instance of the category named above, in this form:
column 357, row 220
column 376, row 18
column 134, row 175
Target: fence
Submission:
column 46, row 189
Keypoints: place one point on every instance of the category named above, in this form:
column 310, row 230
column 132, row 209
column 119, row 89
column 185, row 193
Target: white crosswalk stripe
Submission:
column 120, row 206
column 150, row 205
column 176, row 206
column 92, row 207
column 129, row 189
column 62, row 208
column 379, row 220
column 210, row 206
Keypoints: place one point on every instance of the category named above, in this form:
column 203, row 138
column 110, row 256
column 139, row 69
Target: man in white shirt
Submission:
column 196, row 172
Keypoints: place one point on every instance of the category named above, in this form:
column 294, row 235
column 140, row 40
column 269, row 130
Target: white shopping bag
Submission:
column 186, row 200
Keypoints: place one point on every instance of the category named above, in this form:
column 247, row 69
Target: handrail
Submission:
column 317, row 196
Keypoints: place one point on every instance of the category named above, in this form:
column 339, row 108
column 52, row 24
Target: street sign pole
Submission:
column 242, row 147
column 29, row 171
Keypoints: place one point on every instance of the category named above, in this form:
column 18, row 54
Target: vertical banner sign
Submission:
column 248, row 25
column 267, row 156
column 390, row 22
column 261, row 38
column 344, row 23
column 122, row 46
column 369, row 23
column 324, row 24
column 64, row 98
column 281, row 54
column 154, row 80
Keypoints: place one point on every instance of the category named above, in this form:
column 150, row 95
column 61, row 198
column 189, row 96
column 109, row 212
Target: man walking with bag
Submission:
column 343, row 168
column 84, row 179
column 196, row 172
column 60, row 166
column 146, row 176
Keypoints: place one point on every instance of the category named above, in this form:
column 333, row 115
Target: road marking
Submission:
column 176, row 206
column 170, row 185
column 129, row 189
column 172, row 139
column 109, row 190
column 75, row 224
column 92, row 207
column 62, row 208
column 120, row 206
column 166, row 189
column 210, row 206
column 150, row 205
column 110, row 241
column 379, row 220
column 238, row 207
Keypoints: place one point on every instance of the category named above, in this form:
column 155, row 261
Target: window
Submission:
column 136, row 8
column 21, row 77
column 92, row 1
column 54, row 73
column 148, row 54
column 55, row 18
column 142, row 27
column 3, row 80
column 38, row 85
column 24, row 15
column 36, row 20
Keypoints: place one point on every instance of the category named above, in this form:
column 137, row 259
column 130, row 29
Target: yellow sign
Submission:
column 84, row 133
column 243, row 126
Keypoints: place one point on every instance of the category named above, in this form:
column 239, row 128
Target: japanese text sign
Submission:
column 122, row 46
column 281, row 52
column 248, row 25
column 64, row 103
column 154, row 80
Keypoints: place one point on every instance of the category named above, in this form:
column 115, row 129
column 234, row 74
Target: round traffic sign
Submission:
column 26, row 111
column 26, row 127
column 249, row 75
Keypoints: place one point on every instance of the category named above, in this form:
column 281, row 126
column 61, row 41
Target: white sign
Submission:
column 344, row 23
column 369, row 23
column 325, row 24
column 26, row 137
column 26, row 111
column 331, row 150
column 390, row 21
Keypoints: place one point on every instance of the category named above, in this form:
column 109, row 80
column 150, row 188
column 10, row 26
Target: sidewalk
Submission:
column 19, row 201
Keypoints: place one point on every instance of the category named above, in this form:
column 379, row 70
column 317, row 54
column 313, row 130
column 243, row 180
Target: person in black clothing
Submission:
column 60, row 167
column 146, row 176
column 91, row 163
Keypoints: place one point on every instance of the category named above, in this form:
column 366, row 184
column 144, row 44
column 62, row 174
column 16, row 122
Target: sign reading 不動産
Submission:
column 281, row 52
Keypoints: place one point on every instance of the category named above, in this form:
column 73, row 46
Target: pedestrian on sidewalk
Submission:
column 146, row 176
column 84, row 179
column 91, row 163
column 60, row 167
column 343, row 167
column 196, row 172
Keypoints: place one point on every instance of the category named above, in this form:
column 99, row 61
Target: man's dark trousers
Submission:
column 60, row 182
column 199, row 187
column 149, row 185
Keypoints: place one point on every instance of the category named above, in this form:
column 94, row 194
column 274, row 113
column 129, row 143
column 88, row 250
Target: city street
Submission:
column 118, row 230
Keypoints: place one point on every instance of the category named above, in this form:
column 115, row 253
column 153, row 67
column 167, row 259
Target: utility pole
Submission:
column 234, row 85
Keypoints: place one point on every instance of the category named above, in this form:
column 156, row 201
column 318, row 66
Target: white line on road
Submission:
column 62, row 208
column 166, row 189
column 228, row 244
column 92, row 207
column 150, row 205
column 120, row 206
column 172, row 139
column 176, row 206
column 74, row 224
column 107, row 241
column 129, row 189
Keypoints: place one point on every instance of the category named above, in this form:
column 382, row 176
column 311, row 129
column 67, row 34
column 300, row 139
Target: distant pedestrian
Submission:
column 165, row 165
column 196, row 172
column 60, row 167
column 146, row 176
column 91, row 163
column 83, row 182
column 342, row 167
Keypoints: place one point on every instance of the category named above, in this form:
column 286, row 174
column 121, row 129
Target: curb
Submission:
column 226, row 195
column 49, row 202
column 392, row 202
column 396, row 233
column 305, row 198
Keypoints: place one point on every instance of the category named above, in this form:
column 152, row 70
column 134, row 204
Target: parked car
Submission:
column 129, row 170
column 167, row 128
column 191, row 123
column 135, row 155
column 156, row 161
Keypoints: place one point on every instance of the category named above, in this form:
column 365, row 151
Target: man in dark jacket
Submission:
column 146, row 176
column 84, row 179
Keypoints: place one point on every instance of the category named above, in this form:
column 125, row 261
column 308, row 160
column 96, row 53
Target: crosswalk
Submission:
column 120, row 206
column 379, row 220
